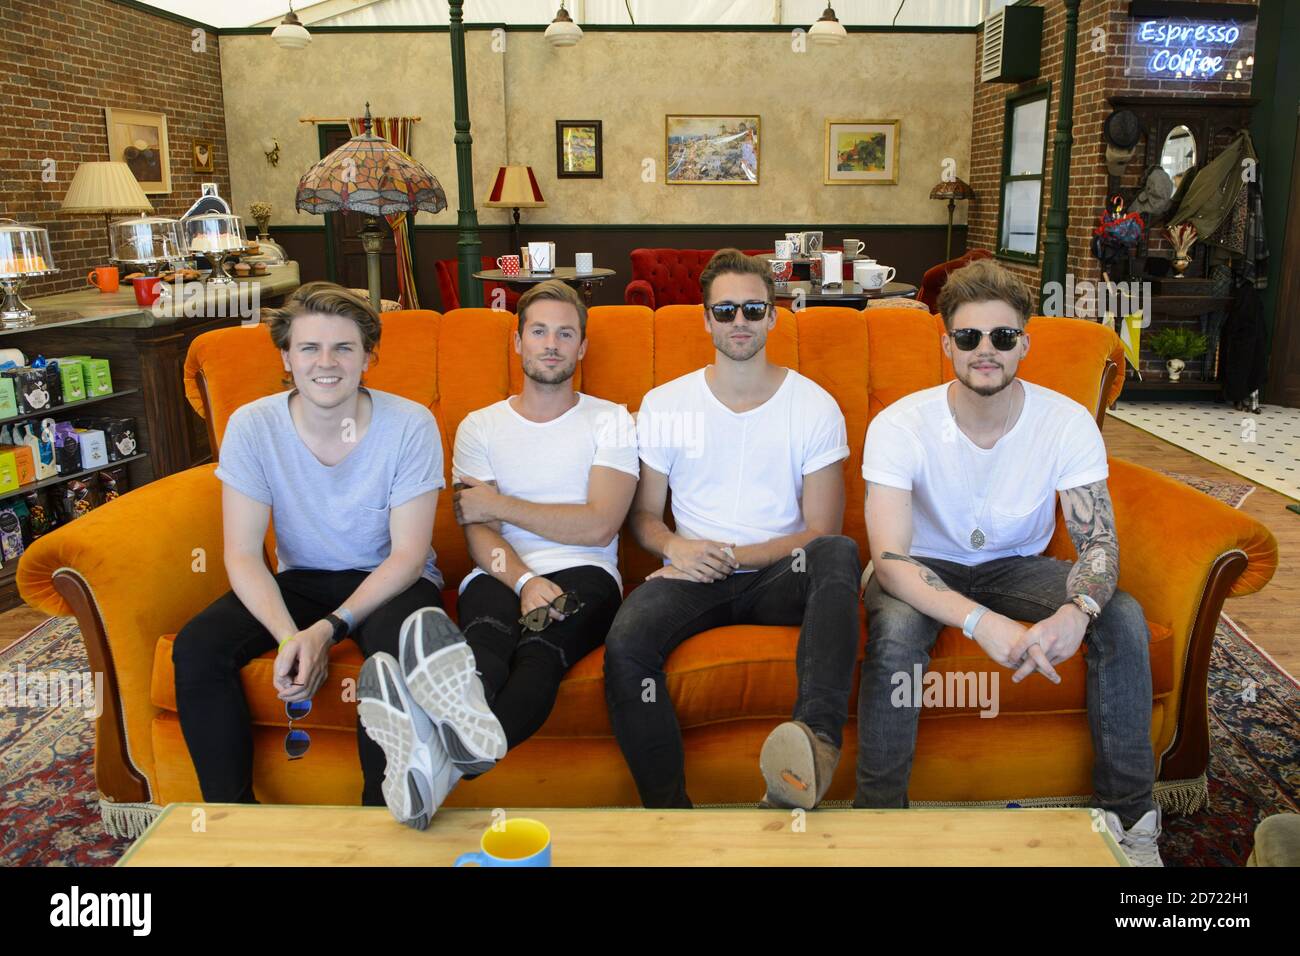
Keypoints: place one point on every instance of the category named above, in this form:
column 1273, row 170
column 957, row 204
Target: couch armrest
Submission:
column 1181, row 553
column 131, row 571
column 639, row 292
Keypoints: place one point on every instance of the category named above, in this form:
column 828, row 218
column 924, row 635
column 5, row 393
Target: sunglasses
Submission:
column 296, row 742
column 753, row 310
column 1004, row 339
column 539, row 618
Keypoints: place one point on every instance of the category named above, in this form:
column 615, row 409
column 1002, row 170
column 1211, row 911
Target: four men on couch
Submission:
column 962, row 483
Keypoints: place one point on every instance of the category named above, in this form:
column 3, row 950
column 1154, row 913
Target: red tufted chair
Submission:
column 448, row 272
column 669, row 276
column 935, row 277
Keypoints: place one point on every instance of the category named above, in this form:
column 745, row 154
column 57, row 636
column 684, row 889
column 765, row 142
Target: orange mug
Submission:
column 147, row 289
column 104, row 278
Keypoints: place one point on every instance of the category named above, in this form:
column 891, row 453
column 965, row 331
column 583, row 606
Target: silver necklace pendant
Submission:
column 977, row 539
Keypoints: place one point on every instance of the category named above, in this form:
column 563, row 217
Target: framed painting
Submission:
column 578, row 149
column 201, row 153
column 711, row 150
column 140, row 140
column 861, row 153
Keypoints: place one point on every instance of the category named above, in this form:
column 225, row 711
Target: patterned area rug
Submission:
column 49, row 803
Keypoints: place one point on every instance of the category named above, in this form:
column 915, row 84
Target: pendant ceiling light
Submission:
column 563, row 31
column 828, row 31
column 291, row 34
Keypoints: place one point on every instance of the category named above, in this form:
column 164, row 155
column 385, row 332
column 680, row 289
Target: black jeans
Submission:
column 819, row 593
column 212, row 648
column 521, row 672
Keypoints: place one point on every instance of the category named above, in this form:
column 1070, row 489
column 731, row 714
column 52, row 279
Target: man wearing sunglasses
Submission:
column 962, row 484
column 758, row 503
column 350, row 476
column 543, row 482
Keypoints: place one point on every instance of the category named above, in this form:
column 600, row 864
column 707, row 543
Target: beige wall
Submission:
column 629, row 81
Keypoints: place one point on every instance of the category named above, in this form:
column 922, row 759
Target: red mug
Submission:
column 509, row 265
column 104, row 278
column 147, row 289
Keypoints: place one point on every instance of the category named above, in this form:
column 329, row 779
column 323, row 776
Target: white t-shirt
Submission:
column 738, row 476
column 547, row 463
column 915, row 444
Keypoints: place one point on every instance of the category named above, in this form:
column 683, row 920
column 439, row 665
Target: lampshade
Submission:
column 954, row 189
column 291, row 34
column 105, row 188
column 515, row 187
column 369, row 175
column 563, row 31
column 828, row 30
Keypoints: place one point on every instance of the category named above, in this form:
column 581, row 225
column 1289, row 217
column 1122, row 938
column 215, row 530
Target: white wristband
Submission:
column 523, row 579
column 972, row 621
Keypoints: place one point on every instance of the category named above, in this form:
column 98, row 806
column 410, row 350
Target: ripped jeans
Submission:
column 521, row 671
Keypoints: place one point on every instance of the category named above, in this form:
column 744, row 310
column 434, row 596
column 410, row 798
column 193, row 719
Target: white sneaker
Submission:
column 417, row 770
column 441, row 675
column 1139, row 841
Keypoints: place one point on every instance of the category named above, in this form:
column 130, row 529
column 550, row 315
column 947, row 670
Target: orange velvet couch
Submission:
column 136, row 570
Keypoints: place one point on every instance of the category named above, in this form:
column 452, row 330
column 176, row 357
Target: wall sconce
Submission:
column 272, row 150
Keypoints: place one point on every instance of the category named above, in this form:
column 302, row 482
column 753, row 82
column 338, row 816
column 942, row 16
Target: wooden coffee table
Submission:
column 241, row 835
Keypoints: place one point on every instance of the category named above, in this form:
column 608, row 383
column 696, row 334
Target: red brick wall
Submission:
column 1098, row 75
column 61, row 63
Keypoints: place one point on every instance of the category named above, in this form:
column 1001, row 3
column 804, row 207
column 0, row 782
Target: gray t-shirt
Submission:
column 333, row 517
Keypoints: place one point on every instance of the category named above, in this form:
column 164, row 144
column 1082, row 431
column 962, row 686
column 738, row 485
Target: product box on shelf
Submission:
column 8, row 473
column 72, row 380
column 31, row 390
column 119, row 433
column 11, row 535
column 67, row 448
column 98, row 379
column 23, row 461
column 94, row 448
column 40, row 438
column 8, row 402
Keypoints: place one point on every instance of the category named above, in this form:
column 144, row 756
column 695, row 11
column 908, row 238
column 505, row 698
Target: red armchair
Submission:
column 669, row 276
column 936, row 276
column 448, row 273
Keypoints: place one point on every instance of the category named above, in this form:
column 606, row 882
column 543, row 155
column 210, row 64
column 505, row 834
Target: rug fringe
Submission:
column 1181, row 797
column 128, row 820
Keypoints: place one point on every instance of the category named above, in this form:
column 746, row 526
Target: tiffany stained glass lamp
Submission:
column 371, row 176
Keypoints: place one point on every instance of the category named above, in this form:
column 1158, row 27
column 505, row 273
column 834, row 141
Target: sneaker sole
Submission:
column 408, row 792
column 789, row 768
column 440, row 672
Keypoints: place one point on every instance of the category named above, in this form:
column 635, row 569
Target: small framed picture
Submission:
column 578, row 149
column 861, row 153
column 711, row 150
column 201, row 152
column 139, row 139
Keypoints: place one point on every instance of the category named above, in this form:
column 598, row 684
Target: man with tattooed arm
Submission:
column 962, row 481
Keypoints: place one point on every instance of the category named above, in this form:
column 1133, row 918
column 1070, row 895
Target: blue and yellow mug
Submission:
column 517, row 841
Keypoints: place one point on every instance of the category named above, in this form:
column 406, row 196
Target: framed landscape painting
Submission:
column 578, row 149
column 711, row 150
column 861, row 153
column 140, row 140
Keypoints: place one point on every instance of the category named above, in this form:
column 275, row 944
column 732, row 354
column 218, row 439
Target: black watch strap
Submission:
column 340, row 626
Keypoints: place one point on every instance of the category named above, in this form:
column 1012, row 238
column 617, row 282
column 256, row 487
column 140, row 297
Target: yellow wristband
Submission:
column 286, row 640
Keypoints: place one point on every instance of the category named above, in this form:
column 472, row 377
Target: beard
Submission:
column 738, row 351
column 542, row 375
column 986, row 390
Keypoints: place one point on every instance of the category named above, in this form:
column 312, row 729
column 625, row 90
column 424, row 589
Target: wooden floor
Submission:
column 1271, row 617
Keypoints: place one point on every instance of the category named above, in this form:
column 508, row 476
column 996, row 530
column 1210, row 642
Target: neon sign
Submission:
column 1189, row 49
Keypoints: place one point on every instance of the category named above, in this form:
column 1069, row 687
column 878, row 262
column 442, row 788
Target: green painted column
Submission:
column 1055, row 242
column 468, row 246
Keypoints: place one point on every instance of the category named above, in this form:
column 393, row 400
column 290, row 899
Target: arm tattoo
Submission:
column 928, row 576
column 1090, row 519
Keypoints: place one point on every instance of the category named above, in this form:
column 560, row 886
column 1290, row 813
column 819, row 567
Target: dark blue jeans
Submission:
column 819, row 594
column 899, row 637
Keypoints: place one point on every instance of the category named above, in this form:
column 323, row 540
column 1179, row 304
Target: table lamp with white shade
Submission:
column 107, row 188
column 515, row 188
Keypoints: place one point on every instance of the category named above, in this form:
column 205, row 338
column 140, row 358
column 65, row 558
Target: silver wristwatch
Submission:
column 1088, row 606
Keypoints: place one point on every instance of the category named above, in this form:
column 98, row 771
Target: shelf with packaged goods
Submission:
column 59, row 479
column 65, row 407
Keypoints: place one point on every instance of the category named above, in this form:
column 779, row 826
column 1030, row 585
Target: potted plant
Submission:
column 1175, row 346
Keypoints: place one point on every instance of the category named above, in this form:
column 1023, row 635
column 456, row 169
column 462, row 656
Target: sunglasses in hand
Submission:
column 1003, row 339
column 754, row 310
column 539, row 618
column 296, row 742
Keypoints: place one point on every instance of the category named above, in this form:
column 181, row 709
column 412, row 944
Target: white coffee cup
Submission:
column 873, row 276
column 853, row 246
column 582, row 262
column 785, row 249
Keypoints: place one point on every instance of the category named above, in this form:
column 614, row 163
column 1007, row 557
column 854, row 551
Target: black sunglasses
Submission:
column 539, row 618
column 1004, row 339
column 753, row 310
column 296, row 742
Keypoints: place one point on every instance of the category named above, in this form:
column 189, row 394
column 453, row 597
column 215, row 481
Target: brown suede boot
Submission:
column 797, row 766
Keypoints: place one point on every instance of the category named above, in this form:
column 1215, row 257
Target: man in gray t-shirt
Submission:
column 349, row 477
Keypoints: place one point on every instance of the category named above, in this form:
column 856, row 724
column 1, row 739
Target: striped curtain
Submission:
column 396, row 130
